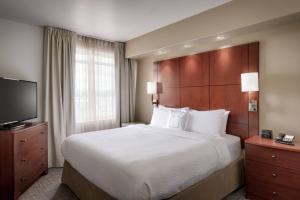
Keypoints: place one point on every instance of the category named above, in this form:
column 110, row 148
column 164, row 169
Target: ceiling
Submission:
column 115, row 20
column 232, row 38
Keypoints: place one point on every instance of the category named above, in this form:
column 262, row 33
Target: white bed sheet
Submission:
column 234, row 145
column 144, row 162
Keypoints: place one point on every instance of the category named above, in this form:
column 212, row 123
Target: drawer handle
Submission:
column 42, row 132
column 42, row 148
column 274, row 193
column 274, row 175
column 274, row 156
column 23, row 160
column 23, row 140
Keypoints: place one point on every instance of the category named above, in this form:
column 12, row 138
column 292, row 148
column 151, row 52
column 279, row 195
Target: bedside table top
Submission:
column 257, row 140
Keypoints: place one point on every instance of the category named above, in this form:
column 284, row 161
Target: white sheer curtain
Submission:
column 95, row 85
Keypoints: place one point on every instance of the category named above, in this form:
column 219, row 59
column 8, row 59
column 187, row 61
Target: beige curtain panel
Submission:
column 59, row 57
column 126, row 79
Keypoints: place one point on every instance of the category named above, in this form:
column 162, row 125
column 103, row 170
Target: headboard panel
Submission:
column 211, row 80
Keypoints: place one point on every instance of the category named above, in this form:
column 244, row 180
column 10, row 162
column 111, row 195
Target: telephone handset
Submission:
column 285, row 139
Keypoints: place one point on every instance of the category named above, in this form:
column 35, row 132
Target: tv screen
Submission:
column 18, row 100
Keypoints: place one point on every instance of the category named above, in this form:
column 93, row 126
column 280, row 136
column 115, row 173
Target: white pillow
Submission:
column 225, row 120
column 210, row 122
column 160, row 117
column 177, row 120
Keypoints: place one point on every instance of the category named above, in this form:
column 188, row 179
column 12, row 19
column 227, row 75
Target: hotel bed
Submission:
column 146, row 162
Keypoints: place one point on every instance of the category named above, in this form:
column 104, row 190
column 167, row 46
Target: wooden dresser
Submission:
column 272, row 169
column 23, row 158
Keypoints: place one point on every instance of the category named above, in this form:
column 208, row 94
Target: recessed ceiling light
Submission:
column 161, row 52
column 220, row 37
column 187, row 46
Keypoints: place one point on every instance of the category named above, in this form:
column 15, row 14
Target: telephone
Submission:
column 285, row 139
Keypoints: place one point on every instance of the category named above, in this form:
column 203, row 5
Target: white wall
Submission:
column 21, row 53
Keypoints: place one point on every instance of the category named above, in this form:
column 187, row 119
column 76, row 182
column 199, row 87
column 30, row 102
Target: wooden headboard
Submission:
column 211, row 80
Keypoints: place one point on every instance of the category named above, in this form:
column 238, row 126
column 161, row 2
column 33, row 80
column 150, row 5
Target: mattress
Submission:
column 143, row 162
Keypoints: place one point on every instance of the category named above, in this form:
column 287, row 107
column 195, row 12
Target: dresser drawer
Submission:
column 272, row 174
column 280, row 158
column 30, row 156
column 25, row 177
column 270, row 191
column 25, row 165
column 28, row 141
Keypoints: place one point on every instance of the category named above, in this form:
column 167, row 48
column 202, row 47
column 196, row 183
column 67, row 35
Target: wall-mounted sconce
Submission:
column 152, row 88
column 250, row 84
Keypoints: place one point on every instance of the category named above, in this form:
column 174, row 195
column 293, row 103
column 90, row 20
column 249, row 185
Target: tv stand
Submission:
column 23, row 158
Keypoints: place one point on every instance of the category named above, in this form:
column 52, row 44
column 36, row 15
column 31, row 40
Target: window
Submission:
column 95, row 89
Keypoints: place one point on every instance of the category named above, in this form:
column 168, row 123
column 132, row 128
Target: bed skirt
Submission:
column 214, row 187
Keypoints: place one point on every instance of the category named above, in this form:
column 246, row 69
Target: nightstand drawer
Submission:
column 280, row 158
column 272, row 174
column 270, row 191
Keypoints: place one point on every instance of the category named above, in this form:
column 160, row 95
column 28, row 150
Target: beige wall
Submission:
column 143, row 100
column 21, row 53
column 279, row 78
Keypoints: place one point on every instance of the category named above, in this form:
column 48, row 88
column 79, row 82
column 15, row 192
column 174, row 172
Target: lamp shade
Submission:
column 151, row 87
column 249, row 82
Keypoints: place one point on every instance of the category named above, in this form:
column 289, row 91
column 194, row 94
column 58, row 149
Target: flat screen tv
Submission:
column 18, row 101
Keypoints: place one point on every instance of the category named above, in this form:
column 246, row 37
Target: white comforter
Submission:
column 143, row 162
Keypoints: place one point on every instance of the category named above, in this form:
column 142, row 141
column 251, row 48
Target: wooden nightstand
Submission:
column 272, row 169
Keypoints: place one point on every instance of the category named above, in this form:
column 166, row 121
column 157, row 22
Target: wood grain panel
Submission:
column 170, row 97
column 194, row 70
column 220, row 70
column 195, row 97
column 253, row 67
column 253, row 57
column 231, row 98
column 226, row 65
column 168, row 73
column 237, row 129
